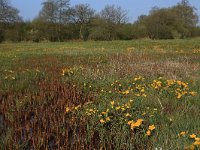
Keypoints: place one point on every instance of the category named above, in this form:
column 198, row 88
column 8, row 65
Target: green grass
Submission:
column 32, row 84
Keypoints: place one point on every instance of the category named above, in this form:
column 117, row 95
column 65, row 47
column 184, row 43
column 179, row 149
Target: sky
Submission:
column 29, row 9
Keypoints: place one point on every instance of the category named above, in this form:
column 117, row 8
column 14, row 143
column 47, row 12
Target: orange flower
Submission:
column 148, row 133
column 130, row 122
column 102, row 121
column 196, row 143
column 193, row 136
column 182, row 133
column 197, row 139
column 152, row 127
column 108, row 119
column 112, row 103
column 137, row 123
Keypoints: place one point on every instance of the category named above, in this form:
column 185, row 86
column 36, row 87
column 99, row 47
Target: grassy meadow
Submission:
column 140, row 95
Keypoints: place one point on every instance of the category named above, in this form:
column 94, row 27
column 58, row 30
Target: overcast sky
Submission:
column 30, row 8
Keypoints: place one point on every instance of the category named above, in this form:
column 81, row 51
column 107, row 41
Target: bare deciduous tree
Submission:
column 114, row 14
column 8, row 13
column 82, row 14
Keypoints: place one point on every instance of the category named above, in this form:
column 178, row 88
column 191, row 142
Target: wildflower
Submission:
column 152, row 127
column 104, row 113
column 77, row 107
column 112, row 103
column 138, row 78
column 67, row 109
column 156, row 84
column 144, row 95
column 102, row 121
column 197, row 139
column 126, row 92
column 130, row 122
column 193, row 93
column 123, row 108
column 138, row 95
column 148, row 133
column 66, row 71
column 193, row 136
column 179, row 96
column 128, row 105
column 137, row 123
column 117, row 108
column 107, row 118
column 182, row 133
column 131, row 100
column 196, row 143
column 127, row 115
column 140, row 120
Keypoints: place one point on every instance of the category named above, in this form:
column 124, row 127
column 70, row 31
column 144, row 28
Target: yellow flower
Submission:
column 137, row 123
column 193, row 93
column 196, row 143
column 63, row 72
column 126, row 92
column 148, row 133
column 102, row 121
column 140, row 120
column 67, row 109
column 117, row 108
column 193, row 136
column 197, row 139
column 77, row 107
column 182, row 133
column 152, row 127
column 130, row 122
column 138, row 78
column 108, row 119
column 127, row 115
column 104, row 113
column 179, row 95
column 144, row 95
column 123, row 108
column 138, row 95
column 132, row 126
column 112, row 102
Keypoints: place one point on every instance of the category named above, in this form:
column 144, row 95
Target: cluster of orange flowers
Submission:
column 193, row 136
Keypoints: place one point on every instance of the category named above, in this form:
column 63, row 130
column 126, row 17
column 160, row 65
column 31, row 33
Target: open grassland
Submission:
column 100, row 95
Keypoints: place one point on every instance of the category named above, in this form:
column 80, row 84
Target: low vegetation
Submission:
column 141, row 94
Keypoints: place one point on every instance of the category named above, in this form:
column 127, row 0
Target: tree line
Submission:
column 59, row 21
